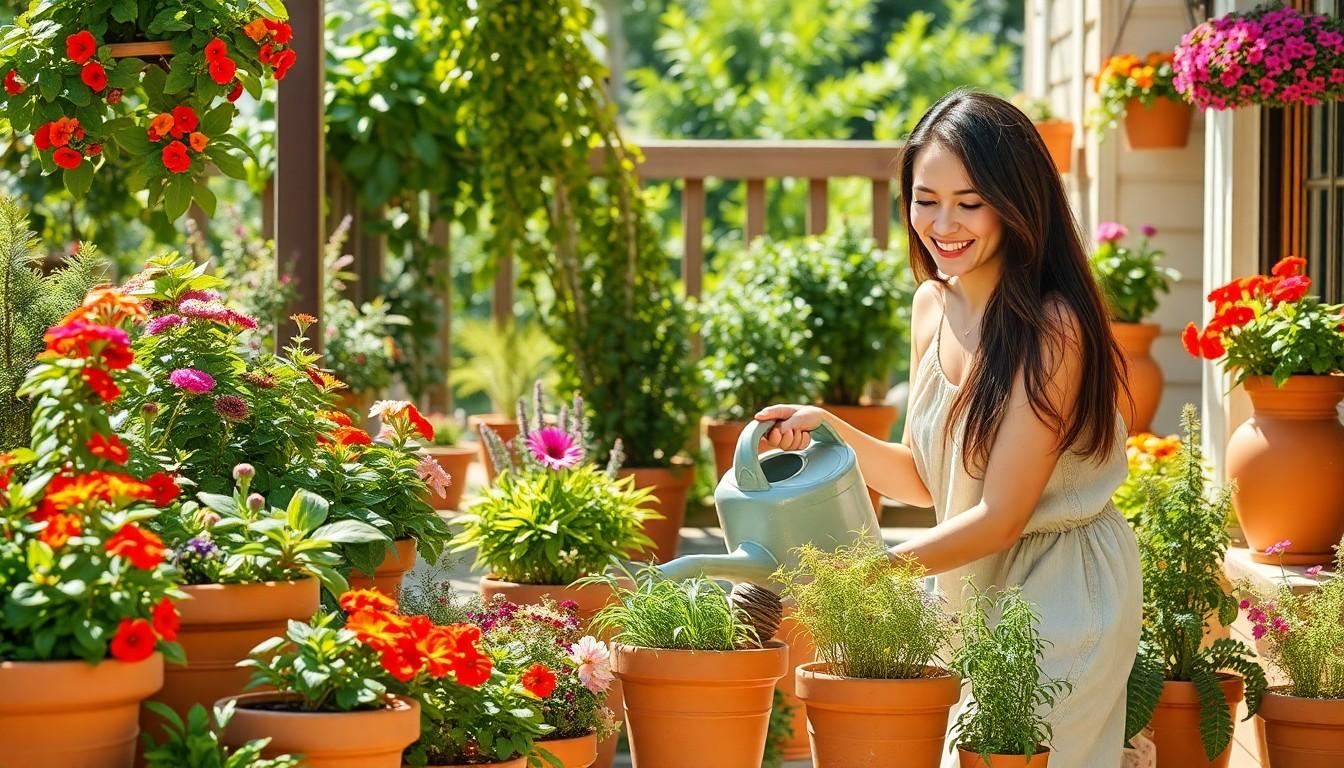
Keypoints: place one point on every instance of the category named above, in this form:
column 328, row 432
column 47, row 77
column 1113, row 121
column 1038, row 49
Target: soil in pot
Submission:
column 369, row 739
column 1175, row 724
column 1301, row 733
column 390, row 573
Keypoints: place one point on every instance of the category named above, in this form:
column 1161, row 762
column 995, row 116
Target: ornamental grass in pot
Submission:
column 698, row 681
column 86, row 588
column 1301, row 633
column 875, row 695
column 1184, row 689
column 1003, row 723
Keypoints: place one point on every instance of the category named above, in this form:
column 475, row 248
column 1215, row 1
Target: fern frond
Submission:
column 1215, row 722
column 1254, row 676
column 1142, row 691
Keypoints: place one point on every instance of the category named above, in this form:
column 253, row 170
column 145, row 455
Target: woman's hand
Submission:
column 796, row 421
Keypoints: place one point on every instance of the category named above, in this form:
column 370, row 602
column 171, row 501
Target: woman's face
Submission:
column 953, row 222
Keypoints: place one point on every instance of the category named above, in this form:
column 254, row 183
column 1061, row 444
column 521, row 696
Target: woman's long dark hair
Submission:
column 1043, row 259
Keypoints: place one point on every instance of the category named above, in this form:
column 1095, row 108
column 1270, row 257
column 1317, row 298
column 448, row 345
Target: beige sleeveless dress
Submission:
column 1077, row 561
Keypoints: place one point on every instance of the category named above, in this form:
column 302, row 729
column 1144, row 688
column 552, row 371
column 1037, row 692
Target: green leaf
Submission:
column 1143, row 690
column 177, row 196
column 1215, row 722
column 349, row 532
column 217, row 120
column 204, row 198
column 79, row 178
column 224, row 505
column 227, row 164
column 180, row 75
column 124, row 10
column 306, row 511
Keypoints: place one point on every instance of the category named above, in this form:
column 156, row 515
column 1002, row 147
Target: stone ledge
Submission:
column 1238, row 565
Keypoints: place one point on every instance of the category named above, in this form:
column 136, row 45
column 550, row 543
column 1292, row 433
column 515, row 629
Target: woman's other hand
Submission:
column 795, row 422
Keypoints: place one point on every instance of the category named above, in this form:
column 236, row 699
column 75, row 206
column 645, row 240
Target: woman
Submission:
column 1012, row 433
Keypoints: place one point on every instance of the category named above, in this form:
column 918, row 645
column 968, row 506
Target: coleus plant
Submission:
column 86, row 102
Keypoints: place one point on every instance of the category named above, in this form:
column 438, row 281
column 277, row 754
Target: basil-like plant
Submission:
column 656, row 612
column 196, row 742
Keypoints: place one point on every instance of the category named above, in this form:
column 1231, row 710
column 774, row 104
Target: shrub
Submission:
column 196, row 743
column 1302, row 634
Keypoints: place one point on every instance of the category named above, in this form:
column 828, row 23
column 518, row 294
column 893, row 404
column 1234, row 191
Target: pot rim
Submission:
column 1181, row 693
column 399, row 705
column 814, row 669
column 716, row 667
column 121, row 682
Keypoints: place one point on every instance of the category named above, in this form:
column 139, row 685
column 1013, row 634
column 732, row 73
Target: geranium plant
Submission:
column 81, row 576
column 1181, row 548
column 1269, row 326
column 1126, row 77
column 1270, row 56
column 1302, row 633
column 552, row 516
column 167, row 116
column 195, row 742
column 1130, row 278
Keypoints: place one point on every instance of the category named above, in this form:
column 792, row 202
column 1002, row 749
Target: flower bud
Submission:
column 149, row 410
column 243, row 472
column 114, row 95
column 255, row 502
column 206, row 518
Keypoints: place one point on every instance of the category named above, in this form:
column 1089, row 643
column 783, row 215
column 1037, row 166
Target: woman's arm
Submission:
column 1021, row 461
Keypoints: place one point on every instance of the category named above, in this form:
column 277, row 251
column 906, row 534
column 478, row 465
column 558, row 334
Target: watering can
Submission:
column 771, row 503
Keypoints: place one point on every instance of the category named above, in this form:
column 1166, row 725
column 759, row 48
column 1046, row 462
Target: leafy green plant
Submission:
column 656, row 612
column 30, row 303
column 1130, row 279
column 501, row 362
column 869, row 616
column 1302, row 633
column 196, row 742
column 448, row 429
column 1036, row 109
column 1010, row 692
column 1181, row 548
column 358, row 347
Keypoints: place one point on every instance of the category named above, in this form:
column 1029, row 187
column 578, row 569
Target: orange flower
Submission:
column 366, row 599
column 142, row 548
column 62, row 129
column 379, row 630
column 108, row 447
column 134, row 640
column 352, row 436
column 539, row 680
column 64, row 492
column 1234, row 315
column 160, row 126
column 61, row 526
column 107, row 306
column 120, row 490
column 256, row 30
column 199, row 141
column 338, row 418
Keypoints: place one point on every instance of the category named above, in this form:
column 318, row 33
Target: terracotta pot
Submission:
column 517, row 762
column 1164, row 125
column 723, row 437
column 875, row 420
column 578, row 752
column 370, row 739
column 221, row 624
column 801, row 651
column 142, row 50
column 1145, row 376
column 709, row 709
column 505, row 427
column 1058, row 138
column 856, row 723
column 974, row 760
column 72, row 714
column 670, row 485
column 389, row 574
column 1294, row 432
column 456, row 461
column 1175, row 724
column 1302, row 733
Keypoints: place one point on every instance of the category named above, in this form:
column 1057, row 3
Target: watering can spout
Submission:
column 749, row 562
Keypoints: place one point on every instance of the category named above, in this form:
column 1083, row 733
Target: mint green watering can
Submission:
column 769, row 504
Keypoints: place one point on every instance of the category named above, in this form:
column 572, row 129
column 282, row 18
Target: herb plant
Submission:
column 448, row 429
column 1181, row 548
column 655, row 612
column 869, row 616
column 1302, row 634
column 196, row 742
column 1130, row 279
column 1009, row 690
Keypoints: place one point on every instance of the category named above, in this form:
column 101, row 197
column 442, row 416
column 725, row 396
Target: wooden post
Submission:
column 755, row 209
column 440, row 235
column 816, row 206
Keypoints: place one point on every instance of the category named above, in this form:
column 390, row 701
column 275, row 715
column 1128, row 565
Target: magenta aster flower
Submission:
column 1149, row 230
column 554, row 448
column 164, row 322
column 195, row 381
column 1109, row 232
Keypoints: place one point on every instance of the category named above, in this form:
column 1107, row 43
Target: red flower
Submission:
column 184, row 121
column 175, row 157
column 1211, row 343
column 109, row 448
column 366, row 599
column 62, row 130
column 163, row 489
column 143, row 548
column 474, row 669
column 237, row 91
column 1234, row 315
column 94, row 150
column 1190, row 339
column 1291, row 289
column 283, row 62
column 81, row 46
column 222, row 71
column 134, row 640
column 101, row 383
column 42, row 137
column 114, row 96
column 281, row 32
column 67, row 158
column 1289, row 266
column 539, row 680
column 12, row 85
column 352, row 436
column 94, row 76
column 264, row 55
column 215, row 50
column 166, row 620
column 61, row 526
column 338, row 418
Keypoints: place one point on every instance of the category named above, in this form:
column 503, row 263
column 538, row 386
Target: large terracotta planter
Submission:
column 723, row 438
column 578, row 752
column 517, row 762
column 370, row 739
column 857, row 723
column 505, row 427
column 1058, row 138
column 456, row 461
column 1287, row 461
column 974, row 760
column 801, row 651
column 389, row 574
column 709, row 709
column 1175, row 724
column 1164, row 125
column 72, row 714
column 1301, row 733
column 670, row 486
column 221, row 624
column 875, row 420
column 1145, row 376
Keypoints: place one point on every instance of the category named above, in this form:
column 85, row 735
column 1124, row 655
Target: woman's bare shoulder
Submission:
column 926, row 310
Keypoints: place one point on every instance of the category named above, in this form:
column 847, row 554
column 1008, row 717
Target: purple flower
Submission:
column 193, row 380
column 201, row 546
column 554, row 448
column 163, row 322
column 231, row 407
column 1109, row 232
column 1314, row 571
column 1148, row 230
column 1279, row 548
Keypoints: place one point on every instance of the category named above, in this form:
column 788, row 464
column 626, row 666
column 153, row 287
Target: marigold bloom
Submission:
column 109, row 306
column 338, row 418
column 61, row 527
column 134, row 640
column 352, row 436
column 162, row 125
column 144, row 549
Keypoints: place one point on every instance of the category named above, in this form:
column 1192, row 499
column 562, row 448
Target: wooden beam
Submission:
column 753, row 159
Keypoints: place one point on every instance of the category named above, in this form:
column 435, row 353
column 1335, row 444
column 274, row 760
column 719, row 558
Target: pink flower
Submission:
column 199, row 295
column 1148, row 230
column 1258, row 631
column 554, row 448
column 1244, row 604
column 1256, row 615
column 1314, row 571
column 594, row 663
column 1109, row 232
column 163, row 322
column 1279, row 548
column 433, row 474
column 1280, row 625
column 205, row 310
column 194, row 381
column 241, row 320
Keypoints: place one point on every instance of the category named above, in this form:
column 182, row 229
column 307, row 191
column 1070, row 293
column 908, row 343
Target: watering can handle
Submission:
column 747, row 464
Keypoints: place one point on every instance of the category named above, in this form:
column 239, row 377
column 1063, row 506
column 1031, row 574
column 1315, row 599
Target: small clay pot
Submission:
column 1175, row 724
column 578, row 752
column 369, row 739
column 1302, row 733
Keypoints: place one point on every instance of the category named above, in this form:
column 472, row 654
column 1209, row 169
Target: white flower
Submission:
column 433, row 474
column 387, row 406
column 594, row 663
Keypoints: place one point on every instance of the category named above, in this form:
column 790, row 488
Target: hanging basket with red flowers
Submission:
column 150, row 85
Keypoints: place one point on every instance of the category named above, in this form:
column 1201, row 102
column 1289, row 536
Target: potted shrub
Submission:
column 454, row 457
column 1130, row 281
column 76, row 77
column 1003, row 723
column 501, row 363
column 1270, row 56
column 1301, row 633
column 195, row 742
column 690, row 662
column 1286, row 349
column 1056, row 132
column 875, row 686
column 1142, row 93
column 86, row 588
column 1184, row 689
